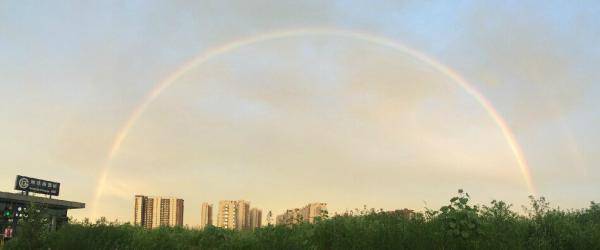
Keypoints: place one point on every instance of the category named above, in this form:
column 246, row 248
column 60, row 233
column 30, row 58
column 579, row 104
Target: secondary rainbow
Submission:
column 236, row 44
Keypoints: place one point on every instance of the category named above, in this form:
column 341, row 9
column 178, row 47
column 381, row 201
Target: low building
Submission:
column 14, row 207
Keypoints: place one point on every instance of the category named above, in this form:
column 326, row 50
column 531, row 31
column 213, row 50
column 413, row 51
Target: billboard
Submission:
column 39, row 186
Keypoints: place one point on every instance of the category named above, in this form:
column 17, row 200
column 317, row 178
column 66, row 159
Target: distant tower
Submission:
column 306, row 214
column 154, row 211
column 140, row 208
column 206, row 216
column 313, row 210
column 234, row 214
column 255, row 218
column 243, row 215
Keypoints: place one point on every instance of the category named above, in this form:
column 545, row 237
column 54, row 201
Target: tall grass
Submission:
column 458, row 225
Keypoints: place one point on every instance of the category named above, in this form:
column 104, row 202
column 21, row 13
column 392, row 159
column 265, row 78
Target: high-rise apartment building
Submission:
column 291, row 216
column 227, row 216
column 313, row 210
column 234, row 214
column 243, row 217
column 255, row 218
column 139, row 210
column 206, row 215
column 306, row 214
column 154, row 211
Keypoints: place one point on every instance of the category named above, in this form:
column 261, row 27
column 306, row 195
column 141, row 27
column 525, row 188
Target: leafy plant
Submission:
column 458, row 225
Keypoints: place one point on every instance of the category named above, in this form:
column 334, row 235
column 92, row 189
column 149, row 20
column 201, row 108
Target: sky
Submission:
column 313, row 117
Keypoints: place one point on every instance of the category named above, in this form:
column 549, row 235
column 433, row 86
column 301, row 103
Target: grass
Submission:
column 458, row 225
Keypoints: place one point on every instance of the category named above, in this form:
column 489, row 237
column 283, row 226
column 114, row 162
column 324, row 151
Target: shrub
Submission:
column 458, row 225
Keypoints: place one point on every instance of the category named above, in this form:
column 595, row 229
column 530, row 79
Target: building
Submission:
column 155, row 211
column 255, row 218
column 139, row 210
column 306, row 214
column 243, row 217
column 291, row 216
column 227, row 215
column 206, row 215
column 234, row 214
column 14, row 205
column 313, row 210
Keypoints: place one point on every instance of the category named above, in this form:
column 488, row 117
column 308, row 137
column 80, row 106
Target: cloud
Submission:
column 531, row 52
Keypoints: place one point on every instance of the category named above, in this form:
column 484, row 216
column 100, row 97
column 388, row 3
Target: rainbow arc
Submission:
column 225, row 48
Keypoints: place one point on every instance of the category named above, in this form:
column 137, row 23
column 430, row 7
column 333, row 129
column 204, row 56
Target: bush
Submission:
column 458, row 225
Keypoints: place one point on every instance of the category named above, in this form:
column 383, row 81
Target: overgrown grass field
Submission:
column 459, row 225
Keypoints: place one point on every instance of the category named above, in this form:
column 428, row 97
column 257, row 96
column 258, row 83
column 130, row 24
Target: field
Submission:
column 459, row 225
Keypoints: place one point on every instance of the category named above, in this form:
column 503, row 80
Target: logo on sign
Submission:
column 23, row 183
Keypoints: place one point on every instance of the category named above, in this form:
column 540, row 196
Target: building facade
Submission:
column 255, row 218
column 290, row 216
column 234, row 214
column 12, row 206
column 243, row 217
column 306, row 214
column 206, row 215
column 139, row 210
column 155, row 211
column 313, row 210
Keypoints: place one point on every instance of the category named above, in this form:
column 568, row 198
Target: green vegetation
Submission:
column 459, row 225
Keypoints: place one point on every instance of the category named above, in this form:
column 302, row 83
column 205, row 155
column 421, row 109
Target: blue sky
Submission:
column 294, row 116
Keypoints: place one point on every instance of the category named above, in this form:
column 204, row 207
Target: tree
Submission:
column 33, row 229
column 269, row 217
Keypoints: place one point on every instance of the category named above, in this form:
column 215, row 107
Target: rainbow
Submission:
column 236, row 44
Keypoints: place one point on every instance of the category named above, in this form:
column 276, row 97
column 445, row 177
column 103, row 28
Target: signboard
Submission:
column 34, row 185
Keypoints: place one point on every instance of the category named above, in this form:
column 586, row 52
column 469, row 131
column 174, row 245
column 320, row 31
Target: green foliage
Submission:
column 458, row 225
column 460, row 221
column 33, row 229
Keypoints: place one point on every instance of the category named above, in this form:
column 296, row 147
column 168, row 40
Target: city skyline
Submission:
column 231, row 214
column 388, row 104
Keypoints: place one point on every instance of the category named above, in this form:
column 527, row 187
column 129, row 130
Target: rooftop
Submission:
column 52, row 203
